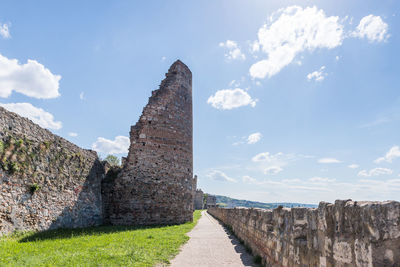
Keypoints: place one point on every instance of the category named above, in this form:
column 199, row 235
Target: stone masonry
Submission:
column 45, row 181
column 156, row 184
column 347, row 233
column 199, row 200
column 211, row 201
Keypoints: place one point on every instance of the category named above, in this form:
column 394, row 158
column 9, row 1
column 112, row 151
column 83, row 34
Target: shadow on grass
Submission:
column 65, row 233
column 76, row 232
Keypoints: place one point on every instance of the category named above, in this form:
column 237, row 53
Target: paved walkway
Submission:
column 210, row 245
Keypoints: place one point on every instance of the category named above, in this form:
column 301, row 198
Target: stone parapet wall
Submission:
column 45, row 181
column 347, row 233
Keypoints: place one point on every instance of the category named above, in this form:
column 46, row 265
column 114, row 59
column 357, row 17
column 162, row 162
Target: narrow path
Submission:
column 210, row 245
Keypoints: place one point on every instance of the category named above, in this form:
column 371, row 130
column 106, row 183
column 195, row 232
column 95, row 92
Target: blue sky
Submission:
column 295, row 101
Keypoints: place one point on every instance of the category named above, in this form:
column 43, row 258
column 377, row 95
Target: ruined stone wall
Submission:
column 156, row 184
column 211, row 201
column 346, row 233
column 198, row 200
column 45, row 181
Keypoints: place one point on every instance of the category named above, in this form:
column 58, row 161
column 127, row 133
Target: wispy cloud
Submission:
column 218, row 175
column 234, row 51
column 5, row 30
column 318, row 75
column 321, row 180
column 328, row 160
column 376, row 122
column 254, row 138
column 393, row 153
column 272, row 164
column 353, row 166
column 375, row 172
column 272, row 170
column 250, row 139
column 324, row 189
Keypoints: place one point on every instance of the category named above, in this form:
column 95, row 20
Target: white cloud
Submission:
column 230, row 99
column 251, row 139
column 82, row 96
column 237, row 83
column 272, row 170
column 312, row 184
column 163, row 58
column 318, row 75
column 376, row 122
column 324, row 189
column 31, row 79
column 5, row 31
column 271, row 164
column 37, row 115
column 220, row 176
column 353, row 166
column 321, row 180
column 234, row 83
column 254, row 46
column 248, row 179
column 375, row 172
column 233, row 50
column 328, row 160
column 337, row 58
column 119, row 145
column 373, row 28
column 393, row 153
column 72, row 134
column 254, row 138
column 291, row 31
column 267, row 157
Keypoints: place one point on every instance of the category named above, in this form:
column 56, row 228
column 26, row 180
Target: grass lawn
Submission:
column 96, row 246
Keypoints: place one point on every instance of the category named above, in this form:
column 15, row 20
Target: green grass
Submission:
column 96, row 246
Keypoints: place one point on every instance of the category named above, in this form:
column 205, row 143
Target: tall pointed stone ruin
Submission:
column 156, row 184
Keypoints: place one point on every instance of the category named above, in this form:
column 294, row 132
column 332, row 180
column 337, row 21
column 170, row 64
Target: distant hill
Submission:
column 232, row 202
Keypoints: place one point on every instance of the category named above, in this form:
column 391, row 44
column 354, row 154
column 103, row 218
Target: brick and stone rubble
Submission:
column 199, row 200
column 347, row 233
column 45, row 181
column 156, row 184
